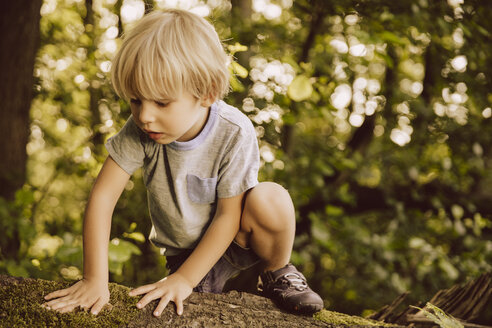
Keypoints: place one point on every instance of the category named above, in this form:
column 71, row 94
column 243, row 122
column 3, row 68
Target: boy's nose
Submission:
column 146, row 113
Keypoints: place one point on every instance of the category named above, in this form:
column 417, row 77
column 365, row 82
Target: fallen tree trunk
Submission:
column 470, row 303
column 21, row 299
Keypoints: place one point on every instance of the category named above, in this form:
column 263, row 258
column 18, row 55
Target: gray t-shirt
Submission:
column 185, row 179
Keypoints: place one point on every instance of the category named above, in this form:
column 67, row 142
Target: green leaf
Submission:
column 236, row 85
column 483, row 31
column 237, row 47
column 450, row 270
column 16, row 270
column 137, row 236
column 300, row 89
column 457, row 211
column 392, row 38
column 239, row 70
column 70, row 254
column 332, row 211
column 116, row 268
column 121, row 250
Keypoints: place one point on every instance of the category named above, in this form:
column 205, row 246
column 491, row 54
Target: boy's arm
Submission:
column 217, row 238
column 219, row 235
column 107, row 189
column 92, row 291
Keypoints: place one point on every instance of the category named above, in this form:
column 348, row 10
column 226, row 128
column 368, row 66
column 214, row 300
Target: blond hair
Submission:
column 168, row 53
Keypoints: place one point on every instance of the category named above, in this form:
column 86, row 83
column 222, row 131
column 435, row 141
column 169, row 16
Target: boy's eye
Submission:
column 135, row 101
column 161, row 103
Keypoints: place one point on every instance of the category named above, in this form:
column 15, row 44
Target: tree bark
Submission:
column 19, row 41
column 20, row 301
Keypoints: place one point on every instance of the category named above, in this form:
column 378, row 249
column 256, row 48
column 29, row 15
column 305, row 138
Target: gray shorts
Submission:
column 234, row 260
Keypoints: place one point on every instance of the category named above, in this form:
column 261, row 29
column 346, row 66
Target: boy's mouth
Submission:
column 154, row 135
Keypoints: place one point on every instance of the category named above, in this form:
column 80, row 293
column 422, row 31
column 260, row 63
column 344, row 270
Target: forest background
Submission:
column 376, row 115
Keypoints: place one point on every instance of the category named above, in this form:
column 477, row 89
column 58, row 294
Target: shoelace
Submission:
column 295, row 281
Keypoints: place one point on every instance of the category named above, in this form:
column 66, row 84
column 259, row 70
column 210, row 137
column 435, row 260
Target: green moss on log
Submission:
column 335, row 318
column 21, row 300
column 20, row 306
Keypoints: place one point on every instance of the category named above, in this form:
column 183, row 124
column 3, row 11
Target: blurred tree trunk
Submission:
column 94, row 88
column 242, row 31
column 241, row 11
column 317, row 13
column 19, row 41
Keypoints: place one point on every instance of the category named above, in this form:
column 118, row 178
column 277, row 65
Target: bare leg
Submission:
column 268, row 227
column 268, row 224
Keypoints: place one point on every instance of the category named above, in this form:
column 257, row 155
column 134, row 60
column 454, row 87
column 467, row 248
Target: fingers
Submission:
column 167, row 290
column 164, row 302
column 96, row 308
column 142, row 290
column 149, row 297
column 179, row 306
column 165, row 299
column 62, row 298
column 84, row 294
column 57, row 294
column 70, row 302
column 61, row 303
column 161, row 306
column 67, row 308
column 65, row 305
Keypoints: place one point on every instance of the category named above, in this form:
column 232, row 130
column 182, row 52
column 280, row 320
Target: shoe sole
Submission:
column 307, row 308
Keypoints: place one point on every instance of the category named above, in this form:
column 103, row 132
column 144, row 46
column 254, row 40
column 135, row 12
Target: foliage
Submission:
column 374, row 114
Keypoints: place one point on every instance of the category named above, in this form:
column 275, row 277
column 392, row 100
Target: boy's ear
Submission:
column 207, row 101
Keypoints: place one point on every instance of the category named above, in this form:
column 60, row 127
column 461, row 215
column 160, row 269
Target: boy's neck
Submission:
column 198, row 127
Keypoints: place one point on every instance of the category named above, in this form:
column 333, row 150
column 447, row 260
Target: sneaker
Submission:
column 289, row 289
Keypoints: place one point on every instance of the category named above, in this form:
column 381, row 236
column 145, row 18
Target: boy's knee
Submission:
column 269, row 194
column 271, row 202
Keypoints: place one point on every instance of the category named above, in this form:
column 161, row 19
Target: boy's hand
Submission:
column 173, row 288
column 88, row 295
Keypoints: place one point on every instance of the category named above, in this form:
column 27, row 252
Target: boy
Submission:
column 210, row 216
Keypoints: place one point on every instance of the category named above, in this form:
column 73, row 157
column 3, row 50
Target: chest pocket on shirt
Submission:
column 201, row 190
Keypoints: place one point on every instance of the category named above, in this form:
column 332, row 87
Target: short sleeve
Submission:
column 239, row 170
column 126, row 147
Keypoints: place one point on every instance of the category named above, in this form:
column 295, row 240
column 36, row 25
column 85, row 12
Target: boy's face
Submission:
column 167, row 121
